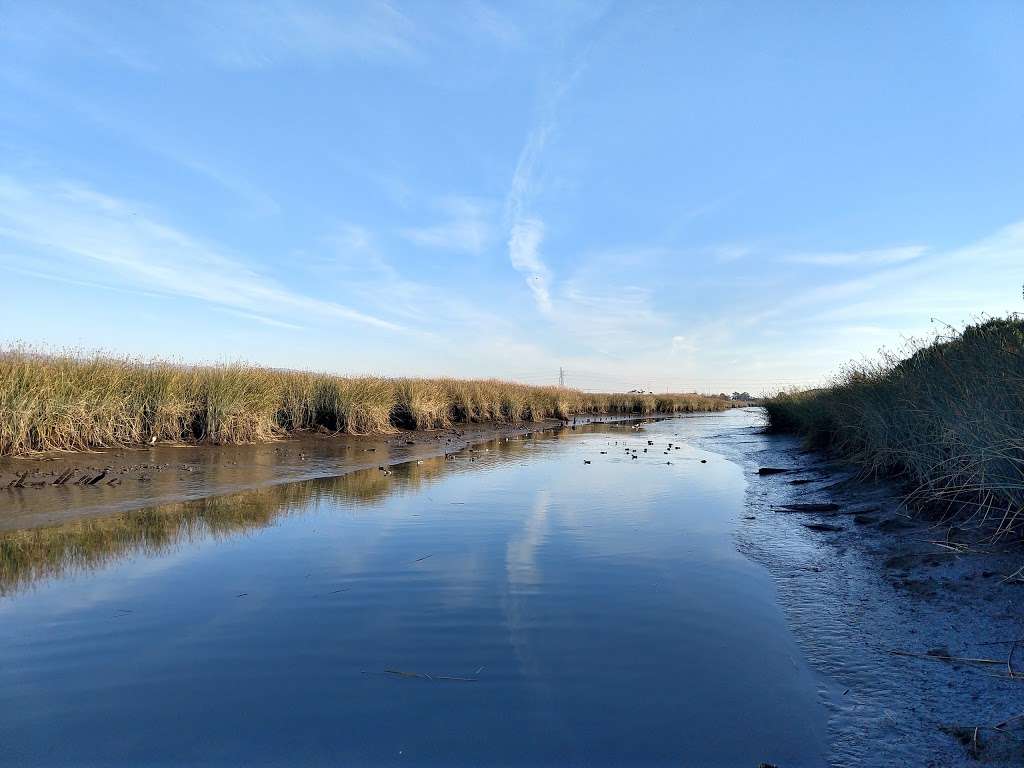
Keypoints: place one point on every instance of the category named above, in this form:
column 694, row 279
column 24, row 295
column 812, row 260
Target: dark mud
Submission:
column 912, row 628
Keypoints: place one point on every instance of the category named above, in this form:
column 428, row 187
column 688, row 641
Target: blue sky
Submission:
column 659, row 195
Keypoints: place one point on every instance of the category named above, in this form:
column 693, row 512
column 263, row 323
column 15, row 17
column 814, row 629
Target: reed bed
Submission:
column 948, row 418
column 73, row 402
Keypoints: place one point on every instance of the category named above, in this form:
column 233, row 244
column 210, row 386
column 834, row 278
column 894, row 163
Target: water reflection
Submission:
column 600, row 609
column 33, row 554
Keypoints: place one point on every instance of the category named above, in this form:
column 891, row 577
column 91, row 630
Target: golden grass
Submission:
column 75, row 402
column 949, row 419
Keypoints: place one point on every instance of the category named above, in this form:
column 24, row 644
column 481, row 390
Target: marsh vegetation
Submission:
column 947, row 418
column 80, row 402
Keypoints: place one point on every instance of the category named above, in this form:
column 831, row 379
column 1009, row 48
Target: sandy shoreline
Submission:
column 162, row 474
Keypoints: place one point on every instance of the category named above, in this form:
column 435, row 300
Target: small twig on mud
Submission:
column 955, row 547
column 401, row 673
column 1007, row 721
column 1015, row 576
column 425, row 676
column 1009, row 659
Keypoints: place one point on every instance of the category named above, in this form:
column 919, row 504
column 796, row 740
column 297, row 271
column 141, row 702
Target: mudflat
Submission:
column 53, row 488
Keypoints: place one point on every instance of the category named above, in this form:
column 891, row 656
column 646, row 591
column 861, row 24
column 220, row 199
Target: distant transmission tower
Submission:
column 561, row 376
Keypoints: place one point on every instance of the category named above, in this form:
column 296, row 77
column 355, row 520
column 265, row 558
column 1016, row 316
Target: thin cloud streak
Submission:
column 72, row 220
column 524, row 253
column 278, row 32
column 146, row 138
column 859, row 258
column 466, row 230
column 526, row 231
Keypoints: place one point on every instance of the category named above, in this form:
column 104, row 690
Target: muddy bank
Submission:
column 49, row 489
column 912, row 627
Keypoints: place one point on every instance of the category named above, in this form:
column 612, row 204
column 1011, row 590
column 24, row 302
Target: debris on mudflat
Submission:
column 63, row 477
column 771, row 471
column 94, row 480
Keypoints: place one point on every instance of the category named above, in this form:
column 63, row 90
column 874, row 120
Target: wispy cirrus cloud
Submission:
column 955, row 285
column 158, row 141
column 466, row 228
column 879, row 257
column 355, row 259
column 233, row 35
column 67, row 225
column 612, row 323
column 526, row 230
column 524, row 253
column 492, row 24
column 257, row 35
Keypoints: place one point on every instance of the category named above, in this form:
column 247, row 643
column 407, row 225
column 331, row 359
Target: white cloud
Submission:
column 256, row 35
column 352, row 238
column 160, row 142
column 466, row 230
column 620, row 324
column 233, row 34
column 524, row 253
column 526, row 231
column 859, row 258
column 492, row 23
column 683, row 345
column 72, row 223
column 726, row 254
column 261, row 319
column 356, row 261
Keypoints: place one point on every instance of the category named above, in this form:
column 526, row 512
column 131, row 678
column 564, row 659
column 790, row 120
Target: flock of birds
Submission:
column 634, row 453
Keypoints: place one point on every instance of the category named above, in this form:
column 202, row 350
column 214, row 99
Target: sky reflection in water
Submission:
column 601, row 609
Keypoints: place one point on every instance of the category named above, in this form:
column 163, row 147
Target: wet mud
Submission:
column 50, row 489
column 915, row 629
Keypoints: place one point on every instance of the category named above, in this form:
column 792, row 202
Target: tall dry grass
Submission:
column 949, row 419
column 76, row 402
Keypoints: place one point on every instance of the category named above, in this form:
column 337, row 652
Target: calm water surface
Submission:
column 592, row 614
